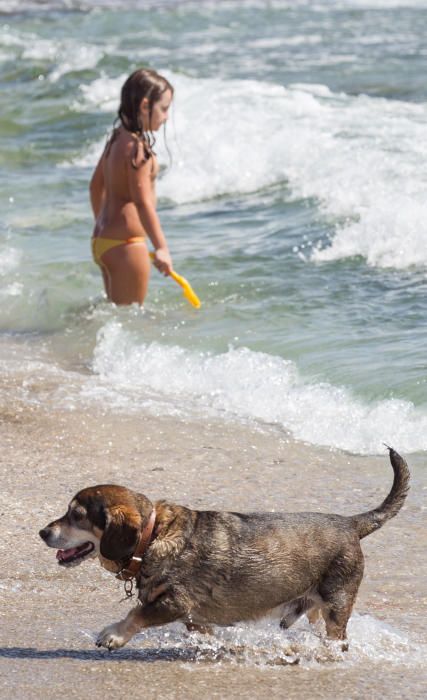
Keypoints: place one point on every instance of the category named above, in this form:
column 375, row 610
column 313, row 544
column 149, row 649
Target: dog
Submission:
column 217, row 568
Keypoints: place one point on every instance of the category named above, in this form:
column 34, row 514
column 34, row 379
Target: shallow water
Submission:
column 293, row 203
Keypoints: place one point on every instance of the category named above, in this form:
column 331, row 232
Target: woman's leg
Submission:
column 127, row 268
column 106, row 278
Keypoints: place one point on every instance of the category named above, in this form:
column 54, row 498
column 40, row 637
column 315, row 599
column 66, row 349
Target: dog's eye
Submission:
column 78, row 514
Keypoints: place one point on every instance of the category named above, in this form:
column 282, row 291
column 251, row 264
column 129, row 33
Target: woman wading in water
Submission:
column 122, row 192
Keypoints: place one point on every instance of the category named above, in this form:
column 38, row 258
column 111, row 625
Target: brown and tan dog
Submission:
column 209, row 567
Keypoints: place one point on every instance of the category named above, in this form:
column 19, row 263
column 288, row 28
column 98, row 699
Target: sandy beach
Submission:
column 50, row 616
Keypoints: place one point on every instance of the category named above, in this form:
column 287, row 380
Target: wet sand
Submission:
column 50, row 616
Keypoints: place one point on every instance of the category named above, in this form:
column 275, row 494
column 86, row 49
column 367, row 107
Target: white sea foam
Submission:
column 361, row 158
column 264, row 643
column 62, row 56
column 102, row 93
column 89, row 157
column 10, row 259
column 249, row 385
column 15, row 289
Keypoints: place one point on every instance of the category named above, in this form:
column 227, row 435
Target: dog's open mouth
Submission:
column 74, row 554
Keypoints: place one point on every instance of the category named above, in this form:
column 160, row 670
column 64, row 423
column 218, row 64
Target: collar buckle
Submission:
column 133, row 565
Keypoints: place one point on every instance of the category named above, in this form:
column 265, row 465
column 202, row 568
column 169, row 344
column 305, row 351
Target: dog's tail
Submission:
column 374, row 519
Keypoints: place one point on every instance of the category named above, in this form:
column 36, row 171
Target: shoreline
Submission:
column 47, row 456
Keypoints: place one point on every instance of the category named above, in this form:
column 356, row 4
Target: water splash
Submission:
column 263, row 643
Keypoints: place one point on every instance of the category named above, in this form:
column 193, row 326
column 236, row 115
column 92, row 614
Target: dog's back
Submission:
column 238, row 566
column 203, row 567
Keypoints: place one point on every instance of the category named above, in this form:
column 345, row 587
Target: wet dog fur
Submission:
column 217, row 568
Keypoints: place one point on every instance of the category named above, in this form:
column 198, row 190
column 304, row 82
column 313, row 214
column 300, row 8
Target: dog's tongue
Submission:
column 64, row 554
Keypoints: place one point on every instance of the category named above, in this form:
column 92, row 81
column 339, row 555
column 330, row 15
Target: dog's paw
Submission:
column 111, row 637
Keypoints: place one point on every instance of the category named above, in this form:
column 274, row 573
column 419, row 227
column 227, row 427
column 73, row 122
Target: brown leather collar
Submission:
column 133, row 564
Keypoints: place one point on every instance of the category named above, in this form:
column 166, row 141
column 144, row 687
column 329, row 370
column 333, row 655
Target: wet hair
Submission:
column 142, row 83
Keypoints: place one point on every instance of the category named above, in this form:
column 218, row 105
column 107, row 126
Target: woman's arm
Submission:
column 141, row 192
column 97, row 188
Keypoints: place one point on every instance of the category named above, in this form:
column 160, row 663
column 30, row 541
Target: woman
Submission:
column 122, row 192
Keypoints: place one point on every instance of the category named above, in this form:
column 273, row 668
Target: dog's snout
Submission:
column 44, row 533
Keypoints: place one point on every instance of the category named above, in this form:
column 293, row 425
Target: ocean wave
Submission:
column 60, row 56
column 361, row 158
column 249, row 385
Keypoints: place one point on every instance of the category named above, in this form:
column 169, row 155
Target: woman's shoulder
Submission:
column 121, row 145
column 123, row 139
column 131, row 147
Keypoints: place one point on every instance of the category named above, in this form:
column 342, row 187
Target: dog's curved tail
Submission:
column 372, row 520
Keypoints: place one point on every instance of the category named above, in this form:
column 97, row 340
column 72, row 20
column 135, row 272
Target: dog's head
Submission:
column 101, row 520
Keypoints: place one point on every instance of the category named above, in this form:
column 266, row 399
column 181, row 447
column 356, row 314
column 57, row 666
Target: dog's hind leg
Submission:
column 337, row 615
column 294, row 610
column 338, row 591
column 313, row 615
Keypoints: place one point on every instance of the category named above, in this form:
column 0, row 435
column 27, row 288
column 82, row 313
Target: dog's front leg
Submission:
column 116, row 635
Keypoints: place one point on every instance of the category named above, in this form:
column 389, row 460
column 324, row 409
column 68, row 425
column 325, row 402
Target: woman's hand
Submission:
column 163, row 261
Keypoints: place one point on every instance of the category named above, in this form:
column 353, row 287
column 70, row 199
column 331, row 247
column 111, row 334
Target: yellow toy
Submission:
column 188, row 292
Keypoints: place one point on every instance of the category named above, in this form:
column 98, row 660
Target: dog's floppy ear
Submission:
column 121, row 534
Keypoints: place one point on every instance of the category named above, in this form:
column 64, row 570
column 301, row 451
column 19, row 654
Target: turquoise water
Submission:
column 294, row 203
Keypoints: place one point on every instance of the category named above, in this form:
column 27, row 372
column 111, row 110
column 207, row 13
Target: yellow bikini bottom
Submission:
column 101, row 245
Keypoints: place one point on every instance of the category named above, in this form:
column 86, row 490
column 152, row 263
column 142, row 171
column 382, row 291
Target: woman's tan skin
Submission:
column 123, row 200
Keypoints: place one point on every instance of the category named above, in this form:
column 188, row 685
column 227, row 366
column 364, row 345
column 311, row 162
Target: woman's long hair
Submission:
column 142, row 83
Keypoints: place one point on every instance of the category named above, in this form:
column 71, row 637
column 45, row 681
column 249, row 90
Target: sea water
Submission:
column 292, row 193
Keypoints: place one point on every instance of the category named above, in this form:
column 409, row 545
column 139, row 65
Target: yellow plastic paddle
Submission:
column 187, row 290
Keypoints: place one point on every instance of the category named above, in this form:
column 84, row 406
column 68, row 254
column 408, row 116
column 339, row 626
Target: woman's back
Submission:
column 119, row 216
